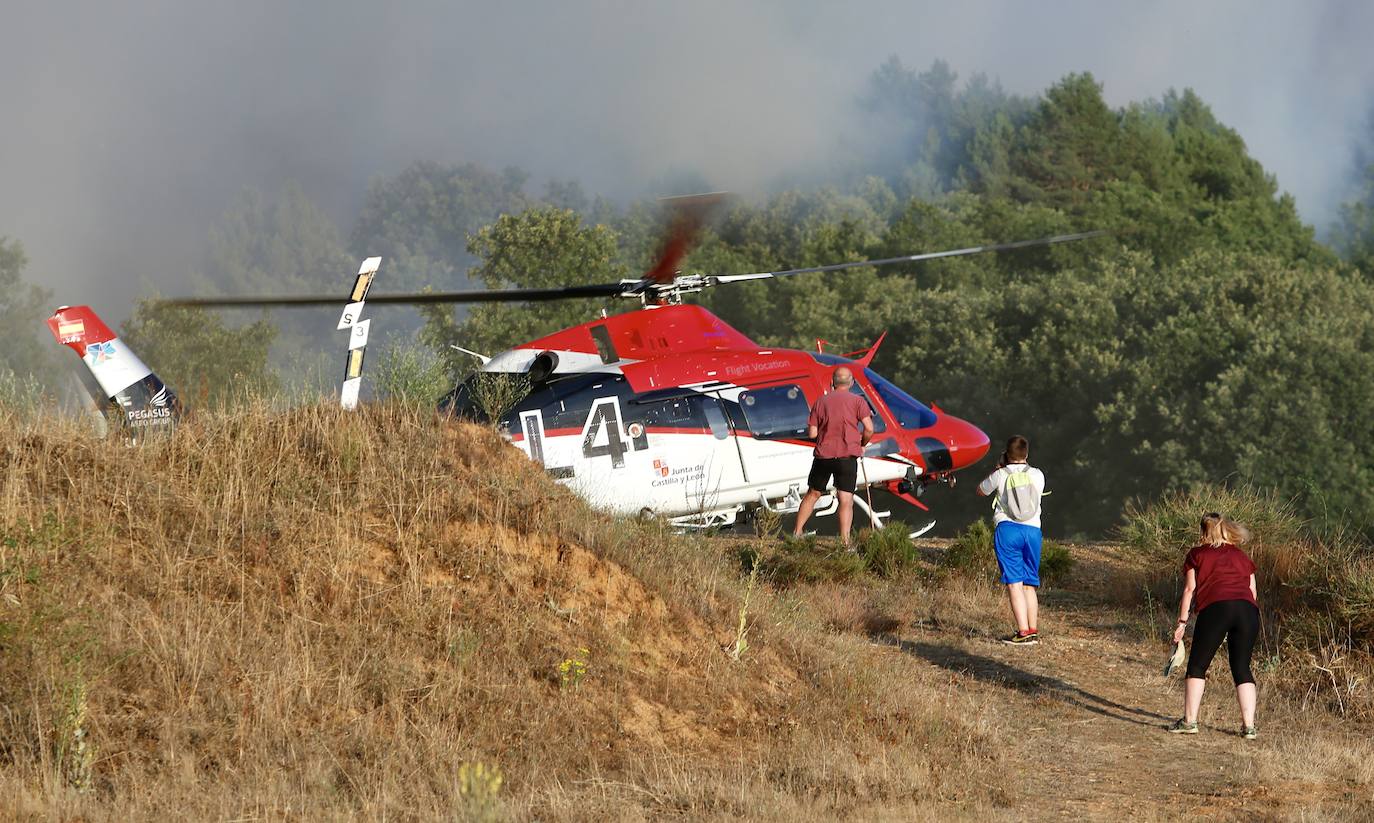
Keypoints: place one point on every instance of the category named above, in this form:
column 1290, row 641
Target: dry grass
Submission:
column 319, row 615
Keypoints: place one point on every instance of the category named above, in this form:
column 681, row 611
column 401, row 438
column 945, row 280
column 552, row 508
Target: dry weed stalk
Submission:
column 1338, row 673
column 75, row 755
column 742, row 628
column 480, row 787
column 497, row 392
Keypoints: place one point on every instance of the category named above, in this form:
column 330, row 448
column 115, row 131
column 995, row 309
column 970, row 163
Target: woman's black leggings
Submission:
column 1235, row 620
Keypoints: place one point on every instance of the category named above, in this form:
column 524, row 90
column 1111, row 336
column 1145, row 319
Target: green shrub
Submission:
column 1055, row 561
column 1163, row 530
column 971, row 552
column 883, row 552
column 806, row 561
column 971, row 555
column 23, row 395
column 887, row 551
column 412, row 375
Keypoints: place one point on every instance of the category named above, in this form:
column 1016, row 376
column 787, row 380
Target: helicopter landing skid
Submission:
column 698, row 521
column 927, row 527
column 827, row 505
column 874, row 517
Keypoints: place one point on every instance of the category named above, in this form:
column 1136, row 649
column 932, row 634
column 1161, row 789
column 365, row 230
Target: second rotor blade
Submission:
column 474, row 296
column 915, row 258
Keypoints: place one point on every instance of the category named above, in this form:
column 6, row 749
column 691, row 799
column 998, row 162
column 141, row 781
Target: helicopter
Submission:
column 669, row 410
column 664, row 410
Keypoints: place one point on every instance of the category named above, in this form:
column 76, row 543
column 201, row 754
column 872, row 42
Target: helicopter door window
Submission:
column 688, row 411
column 775, row 412
column 681, row 412
column 715, row 417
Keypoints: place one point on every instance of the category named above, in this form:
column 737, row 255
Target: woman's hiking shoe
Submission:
column 1019, row 639
column 1183, row 727
column 1248, row 732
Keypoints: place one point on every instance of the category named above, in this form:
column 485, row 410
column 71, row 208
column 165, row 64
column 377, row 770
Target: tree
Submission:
column 1132, row 378
column 1069, row 147
column 420, row 219
column 23, row 307
column 283, row 245
column 209, row 364
column 538, row 248
column 929, row 125
column 1354, row 233
column 793, row 230
column 1249, row 367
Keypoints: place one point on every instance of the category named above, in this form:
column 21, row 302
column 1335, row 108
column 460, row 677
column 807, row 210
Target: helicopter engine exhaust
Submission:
column 543, row 366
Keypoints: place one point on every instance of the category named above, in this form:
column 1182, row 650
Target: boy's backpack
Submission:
column 1018, row 496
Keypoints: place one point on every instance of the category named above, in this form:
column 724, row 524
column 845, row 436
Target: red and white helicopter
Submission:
column 670, row 410
column 666, row 409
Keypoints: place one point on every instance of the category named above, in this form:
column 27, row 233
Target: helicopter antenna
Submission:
column 481, row 357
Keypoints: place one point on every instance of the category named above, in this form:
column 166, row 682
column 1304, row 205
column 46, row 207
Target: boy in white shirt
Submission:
column 1017, row 535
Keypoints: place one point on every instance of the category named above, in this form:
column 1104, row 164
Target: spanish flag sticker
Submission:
column 70, row 329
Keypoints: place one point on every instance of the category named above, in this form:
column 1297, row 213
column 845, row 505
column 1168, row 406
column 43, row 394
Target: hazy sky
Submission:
column 129, row 127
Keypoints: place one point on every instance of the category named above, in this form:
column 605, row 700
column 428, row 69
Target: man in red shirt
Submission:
column 841, row 424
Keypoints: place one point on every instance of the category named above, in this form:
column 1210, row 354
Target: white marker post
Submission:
column 357, row 332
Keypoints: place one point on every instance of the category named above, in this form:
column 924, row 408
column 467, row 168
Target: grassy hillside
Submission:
column 317, row 615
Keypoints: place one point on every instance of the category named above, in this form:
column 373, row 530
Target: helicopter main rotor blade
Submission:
column 474, row 296
column 912, row 258
column 624, row 288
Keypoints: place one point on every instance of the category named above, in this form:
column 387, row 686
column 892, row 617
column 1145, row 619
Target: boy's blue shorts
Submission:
column 1018, row 552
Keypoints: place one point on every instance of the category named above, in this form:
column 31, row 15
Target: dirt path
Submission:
column 1094, row 706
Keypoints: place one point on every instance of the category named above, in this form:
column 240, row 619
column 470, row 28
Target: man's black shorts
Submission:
column 845, row 470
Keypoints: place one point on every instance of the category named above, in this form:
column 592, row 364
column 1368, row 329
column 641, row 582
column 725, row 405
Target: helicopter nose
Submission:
column 951, row 444
column 967, row 442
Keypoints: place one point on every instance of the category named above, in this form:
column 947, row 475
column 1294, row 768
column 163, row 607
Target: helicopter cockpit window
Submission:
column 879, row 425
column 715, row 417
column 774, row 412
column 910, row 412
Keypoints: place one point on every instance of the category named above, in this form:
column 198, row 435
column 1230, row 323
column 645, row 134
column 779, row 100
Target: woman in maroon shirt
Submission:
column 1220, row 578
